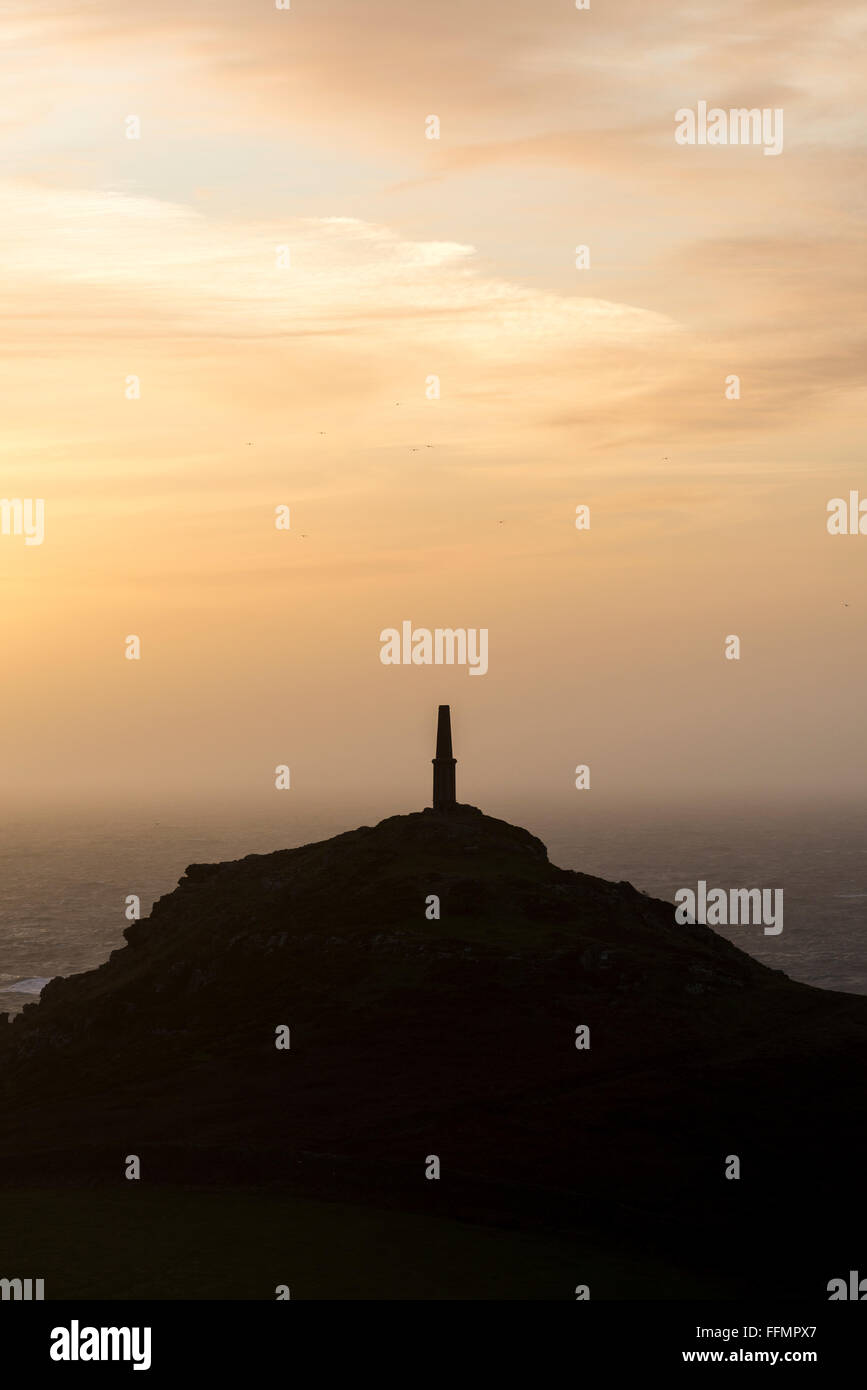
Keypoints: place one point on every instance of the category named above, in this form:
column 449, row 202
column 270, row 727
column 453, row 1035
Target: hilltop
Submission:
column 413, row 1036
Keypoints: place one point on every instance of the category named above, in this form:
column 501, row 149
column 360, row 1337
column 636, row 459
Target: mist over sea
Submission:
column 64, row 878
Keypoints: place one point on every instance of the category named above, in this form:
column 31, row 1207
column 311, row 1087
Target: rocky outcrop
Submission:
column 414, row 1035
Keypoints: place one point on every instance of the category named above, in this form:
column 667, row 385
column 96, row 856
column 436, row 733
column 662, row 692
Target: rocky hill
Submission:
column 413, row 1036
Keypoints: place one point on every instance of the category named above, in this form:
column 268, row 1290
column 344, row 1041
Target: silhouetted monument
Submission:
column 444, row 798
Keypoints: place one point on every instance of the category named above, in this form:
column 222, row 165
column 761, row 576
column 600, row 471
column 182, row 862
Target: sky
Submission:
column 307, row 385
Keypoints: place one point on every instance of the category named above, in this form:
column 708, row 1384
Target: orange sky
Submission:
column 263, row 385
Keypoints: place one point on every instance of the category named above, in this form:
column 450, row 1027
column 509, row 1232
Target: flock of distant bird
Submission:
column 414, row 449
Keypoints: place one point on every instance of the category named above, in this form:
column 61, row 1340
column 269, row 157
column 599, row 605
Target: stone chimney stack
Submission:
column 444, row 798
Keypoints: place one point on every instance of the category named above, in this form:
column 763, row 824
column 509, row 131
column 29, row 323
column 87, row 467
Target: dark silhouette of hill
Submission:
column 456, row 1037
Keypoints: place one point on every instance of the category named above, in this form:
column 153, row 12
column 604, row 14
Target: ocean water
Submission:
column 64, row 880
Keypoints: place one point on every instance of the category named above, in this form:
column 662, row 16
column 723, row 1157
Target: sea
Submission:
column 65, row 877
